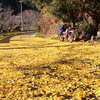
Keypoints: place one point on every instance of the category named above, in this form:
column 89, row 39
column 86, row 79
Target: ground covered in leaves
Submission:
column 33, row 68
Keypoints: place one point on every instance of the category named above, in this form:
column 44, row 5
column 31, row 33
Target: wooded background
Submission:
column 83, row 15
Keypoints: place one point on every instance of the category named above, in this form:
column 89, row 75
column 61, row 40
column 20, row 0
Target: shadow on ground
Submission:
column 6, row 39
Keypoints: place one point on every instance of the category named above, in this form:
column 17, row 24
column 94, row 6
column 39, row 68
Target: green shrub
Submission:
column 82, row 27
column 1, row 36
column 5, row 34
column 39, row 34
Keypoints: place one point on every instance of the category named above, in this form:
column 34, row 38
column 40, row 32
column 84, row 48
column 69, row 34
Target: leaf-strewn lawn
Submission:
column 33, row 68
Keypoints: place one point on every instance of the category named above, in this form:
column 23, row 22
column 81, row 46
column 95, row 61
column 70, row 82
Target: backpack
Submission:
column 62, row 29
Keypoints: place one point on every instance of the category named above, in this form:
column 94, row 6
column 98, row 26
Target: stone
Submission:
column 98, row 35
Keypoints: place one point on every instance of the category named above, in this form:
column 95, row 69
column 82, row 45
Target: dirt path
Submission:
column 33, row 68
column 7, row 38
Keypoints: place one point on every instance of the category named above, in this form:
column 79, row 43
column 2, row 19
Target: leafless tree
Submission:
column 5, row 17
column 30, row 19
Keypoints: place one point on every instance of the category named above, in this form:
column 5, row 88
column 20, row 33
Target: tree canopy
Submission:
column 70, row 10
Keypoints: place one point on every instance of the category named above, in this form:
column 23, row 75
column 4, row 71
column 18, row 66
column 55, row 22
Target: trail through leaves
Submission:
column 33, row 68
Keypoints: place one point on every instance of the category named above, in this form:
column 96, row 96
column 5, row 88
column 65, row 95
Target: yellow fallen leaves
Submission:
column 33, row 68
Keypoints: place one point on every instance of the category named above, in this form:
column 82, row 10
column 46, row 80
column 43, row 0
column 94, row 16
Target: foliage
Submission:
column 83, row 26
column 30, row 19
column 41, row 3
column 82, row 29
column 47, row 69
column 75, row 10
column 60, row 10
column 45, row 23
column 38, row 34
column 15, row 5
column 10, row 15
column 63, row 8
column 1, row 36
column 30, row 5
column 5, row 16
